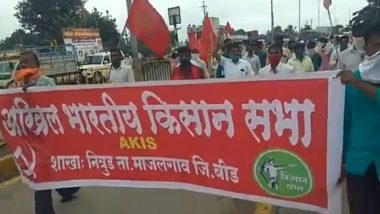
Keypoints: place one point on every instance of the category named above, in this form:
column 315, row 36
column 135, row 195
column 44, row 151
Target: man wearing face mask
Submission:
column 195, row 57
column 323, row 50
column 351, row 58
column 300, row 62
column 314, row 55
column 187, row 68
column 361, row 147
column 234, row 67
column 258, row 50
column 286, row 52
column 275, row 65
column 253, row 60
column 221, row 52
column 334, row 58
column 30, row 75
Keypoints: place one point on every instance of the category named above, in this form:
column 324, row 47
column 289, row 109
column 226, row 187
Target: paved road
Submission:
column 18, row 199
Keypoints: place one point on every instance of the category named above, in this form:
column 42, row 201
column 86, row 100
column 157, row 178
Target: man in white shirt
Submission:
column 351, row 58
column 120, row 71
column 195, row 57
column 128, row 59
column 234, row 67
column 253, row 60
column 275, row 66
column 334, row 58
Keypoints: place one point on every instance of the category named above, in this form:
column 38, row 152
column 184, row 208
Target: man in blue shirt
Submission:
column 361, row 152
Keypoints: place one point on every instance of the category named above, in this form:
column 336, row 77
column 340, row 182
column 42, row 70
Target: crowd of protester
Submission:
column 357, row 58
column 255, row 58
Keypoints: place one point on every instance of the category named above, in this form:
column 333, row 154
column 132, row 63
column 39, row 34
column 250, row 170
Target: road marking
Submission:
column 262, row 209
column 10, row 182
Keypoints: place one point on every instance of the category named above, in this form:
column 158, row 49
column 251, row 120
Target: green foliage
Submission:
column 20, row 38
column 306, row 28
column 240, row 32
column 47, row 18
column 290, row 30
column 278, row 30
column 107, row 25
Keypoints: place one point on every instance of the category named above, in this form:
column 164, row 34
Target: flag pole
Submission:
column 331, row 23
column 319, row 13
column 133, row 39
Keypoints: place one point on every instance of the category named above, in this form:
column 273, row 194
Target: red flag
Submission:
column 203, row 53
column 148, row 26
column 208, row 38
column 327, row 4
column 228, row 29
column 193, row 42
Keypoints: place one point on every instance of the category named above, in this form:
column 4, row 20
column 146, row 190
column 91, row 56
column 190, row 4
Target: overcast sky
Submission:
column 246, row 14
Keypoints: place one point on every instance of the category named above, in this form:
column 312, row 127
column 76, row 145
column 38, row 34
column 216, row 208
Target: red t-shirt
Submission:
column 192, row 72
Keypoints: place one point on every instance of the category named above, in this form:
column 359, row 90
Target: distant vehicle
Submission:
column 6, row 70
column 96, row 67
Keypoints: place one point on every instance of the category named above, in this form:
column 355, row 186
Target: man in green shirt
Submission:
column 361, row 150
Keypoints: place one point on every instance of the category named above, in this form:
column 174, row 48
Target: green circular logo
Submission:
column 283, row 174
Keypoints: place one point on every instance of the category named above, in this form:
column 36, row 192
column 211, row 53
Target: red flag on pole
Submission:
column 193, row 42
column 228, row 29
column 203, row 53
column 148, row 26
column 208, row 39
column 327, row 4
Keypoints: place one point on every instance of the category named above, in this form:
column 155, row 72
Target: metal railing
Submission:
column 156, row 71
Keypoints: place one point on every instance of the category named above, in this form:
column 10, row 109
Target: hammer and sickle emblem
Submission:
column 30, row 166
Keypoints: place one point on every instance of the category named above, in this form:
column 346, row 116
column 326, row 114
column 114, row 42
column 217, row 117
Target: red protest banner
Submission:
column 277, row 142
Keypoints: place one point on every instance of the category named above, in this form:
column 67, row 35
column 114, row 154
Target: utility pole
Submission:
column 349, row 14
column 272, row 17
column 299, row 15
column 319, row 13
column 204, row 8
column 133, row 39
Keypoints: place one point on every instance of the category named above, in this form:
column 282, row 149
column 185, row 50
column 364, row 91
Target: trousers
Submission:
column 43, row 201
column 364, row 192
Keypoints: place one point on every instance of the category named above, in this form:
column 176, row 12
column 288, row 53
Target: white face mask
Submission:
column 370, row 69
column 359, row 43
column 194, row 56
column 310, row 52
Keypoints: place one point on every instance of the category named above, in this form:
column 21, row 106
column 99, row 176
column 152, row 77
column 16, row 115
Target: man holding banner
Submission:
column 361, row 157
column 30, row 75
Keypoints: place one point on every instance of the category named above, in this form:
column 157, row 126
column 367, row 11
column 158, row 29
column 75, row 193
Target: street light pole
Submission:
column 133, row 39
column 319, row 13
column 272, row 16
column 299, row 15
